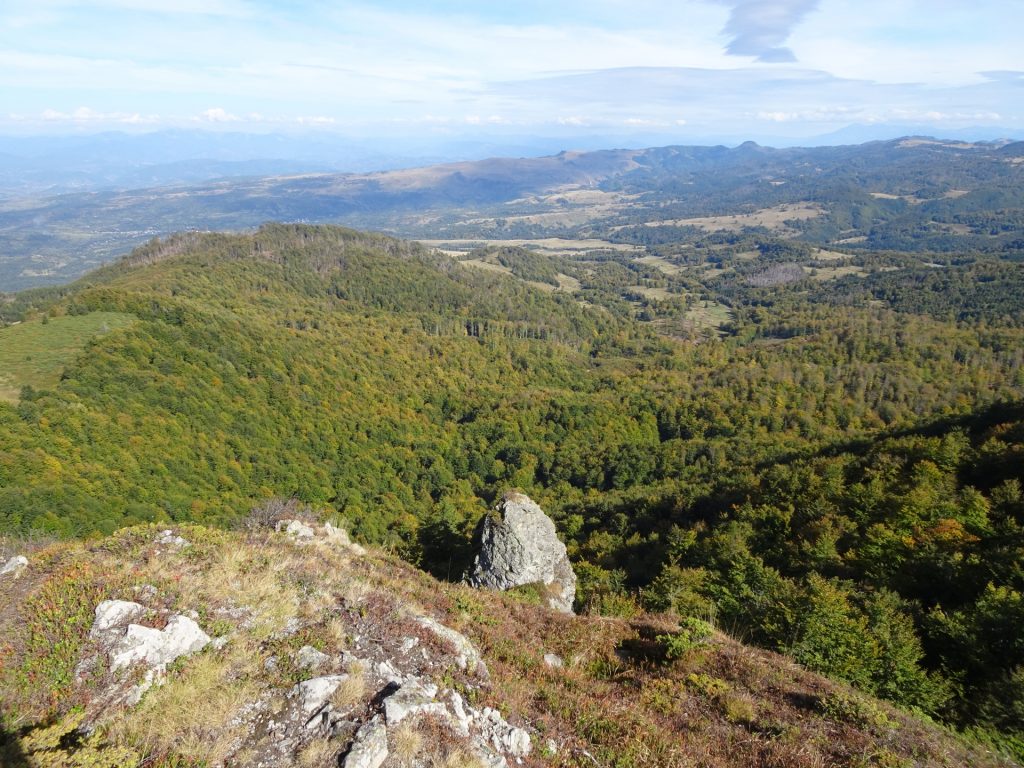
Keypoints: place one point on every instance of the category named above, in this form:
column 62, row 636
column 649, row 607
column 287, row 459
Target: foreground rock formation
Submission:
column 519, row 546
column 298, row 648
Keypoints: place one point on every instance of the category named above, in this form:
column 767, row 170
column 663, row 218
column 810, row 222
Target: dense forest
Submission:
column 830, row 466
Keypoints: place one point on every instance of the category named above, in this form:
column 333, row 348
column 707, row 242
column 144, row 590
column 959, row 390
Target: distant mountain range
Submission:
column 913, row 193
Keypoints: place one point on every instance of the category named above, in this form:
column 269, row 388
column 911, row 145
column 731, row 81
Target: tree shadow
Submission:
column 12, row 755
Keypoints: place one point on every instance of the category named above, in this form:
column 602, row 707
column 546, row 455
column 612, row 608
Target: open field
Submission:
column 769, row 218
column 664, row 265
column 35, row 353
column 554, row 246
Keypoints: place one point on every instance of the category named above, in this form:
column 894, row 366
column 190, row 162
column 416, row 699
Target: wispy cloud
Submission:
column 759, row 28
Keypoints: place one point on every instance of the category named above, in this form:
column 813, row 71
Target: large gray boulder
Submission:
column 519, row 545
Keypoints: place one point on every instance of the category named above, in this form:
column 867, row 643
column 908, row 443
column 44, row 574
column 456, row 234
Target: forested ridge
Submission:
column 837, row 476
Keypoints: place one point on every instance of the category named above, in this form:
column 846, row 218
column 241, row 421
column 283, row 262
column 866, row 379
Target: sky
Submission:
column 753, row 68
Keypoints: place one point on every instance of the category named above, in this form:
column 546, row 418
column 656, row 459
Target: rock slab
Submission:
column 519, row 545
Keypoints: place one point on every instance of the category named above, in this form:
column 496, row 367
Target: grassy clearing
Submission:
column 710, row 314
column 664, row 265
column 35, row 353
column 821, row 274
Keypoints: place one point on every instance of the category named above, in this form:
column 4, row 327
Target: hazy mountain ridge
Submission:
column 905, row 195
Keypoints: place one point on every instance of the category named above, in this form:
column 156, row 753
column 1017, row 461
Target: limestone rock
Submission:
column 467, row 656
column 111, row 615
column 416, row 697
column 14, row 566
column 553, row 660
column 370, row 748
column 296, row 529
column 502, row 736
column 309, row 657
column 154, row 647
column 313, row 694
column 519, row 545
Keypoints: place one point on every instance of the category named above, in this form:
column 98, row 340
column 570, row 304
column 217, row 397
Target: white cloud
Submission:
column 217, row 115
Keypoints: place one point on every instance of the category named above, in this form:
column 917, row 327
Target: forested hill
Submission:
column 839, row 480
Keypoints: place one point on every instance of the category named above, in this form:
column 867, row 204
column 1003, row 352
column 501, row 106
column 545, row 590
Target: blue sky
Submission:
column 687, row 67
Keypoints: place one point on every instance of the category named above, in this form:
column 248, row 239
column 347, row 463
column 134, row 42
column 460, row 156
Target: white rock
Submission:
column 387, row 672
column 408, row 643
column 467, row 656
column 414, row 698
column 309, row 657
column 297, row 529
column 370, row 748
column 14, row 566
column 113, row 614
column 461, row 719
column 553, row 660
column 313, row 694
column 168, row 539
column 502, row 736
column 180, row 637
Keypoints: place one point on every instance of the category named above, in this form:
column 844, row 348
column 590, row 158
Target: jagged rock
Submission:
column 111, row 615
column 553, row 660
column 297, row 529
column 519, row 545
column 180, row 637
column 14, row 566
column 467, row 656
column 168, row 539
column 370, row 748
column 340, row 536
column 313, row 694
column 415, row 697
column 502, row 736
column 309, row 657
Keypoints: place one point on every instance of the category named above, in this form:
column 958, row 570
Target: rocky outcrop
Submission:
column 13, row 567
column 519, row 545
column 126, row 643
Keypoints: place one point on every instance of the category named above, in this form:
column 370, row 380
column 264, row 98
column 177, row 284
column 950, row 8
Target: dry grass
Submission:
column 350, row 692
column 319, row 753
column 616, row 699
column 406, row 743
column 191, row 716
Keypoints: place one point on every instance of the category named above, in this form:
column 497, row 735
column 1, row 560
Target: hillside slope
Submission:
column 321, row 649
column 839, row 482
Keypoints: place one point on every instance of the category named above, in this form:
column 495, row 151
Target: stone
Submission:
column 340, row 537
column 370, row 748
column 168, row 539
column 518, row 545
column 14, row 566
column 309, row 657
column 416, row 697
column 502, row 736
column 181, row 636
column 313, row 694
column 296, row 529
column 114, row 614
column 467, row 656
column 553, row 660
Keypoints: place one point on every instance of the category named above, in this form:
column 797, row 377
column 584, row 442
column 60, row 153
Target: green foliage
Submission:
column 692, row 633
column 842, row 482
column 855, row 710
column 49, row 641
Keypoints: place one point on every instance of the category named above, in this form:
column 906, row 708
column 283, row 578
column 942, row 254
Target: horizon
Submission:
column 783, row 71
